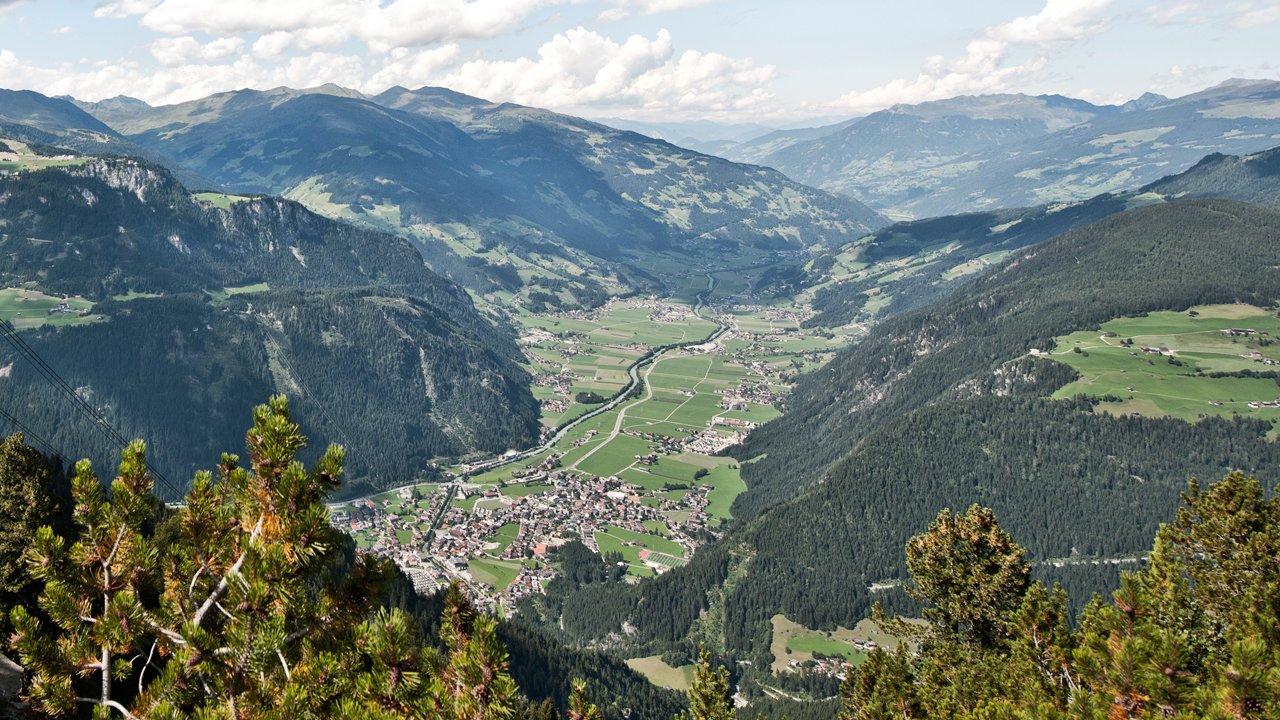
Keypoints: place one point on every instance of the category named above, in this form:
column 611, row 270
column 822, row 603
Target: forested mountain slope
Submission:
column 1167, row 256
column 1252, row 178
column 910, row 264
column 208, row 308
column 942, row 407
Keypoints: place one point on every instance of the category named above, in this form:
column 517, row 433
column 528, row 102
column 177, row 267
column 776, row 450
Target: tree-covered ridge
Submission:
column 1251, row 178
column 1194, row 634
column 209, row 308
column 1168, row 256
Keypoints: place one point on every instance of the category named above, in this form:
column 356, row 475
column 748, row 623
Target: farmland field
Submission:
column 1217, row 360
column 32, row 309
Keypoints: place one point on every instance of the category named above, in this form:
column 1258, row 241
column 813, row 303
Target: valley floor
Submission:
column 642, row 480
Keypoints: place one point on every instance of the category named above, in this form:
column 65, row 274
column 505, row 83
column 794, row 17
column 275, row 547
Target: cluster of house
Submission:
column 385, row 522
column 63, row 308
column 661, row 312
column 747, row 394
column 572, row 506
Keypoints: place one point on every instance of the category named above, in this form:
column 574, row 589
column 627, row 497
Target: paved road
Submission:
column 623, row 395
column 634, row 380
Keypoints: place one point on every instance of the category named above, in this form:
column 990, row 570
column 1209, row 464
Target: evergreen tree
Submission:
column 26, row 504
column 971, row 572
column 709, row 696
column 579, row 707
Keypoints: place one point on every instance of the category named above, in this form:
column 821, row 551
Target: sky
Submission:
column 774, row 62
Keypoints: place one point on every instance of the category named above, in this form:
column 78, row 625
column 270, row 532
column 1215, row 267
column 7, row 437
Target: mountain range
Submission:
column 478, row 184
column 1000, row 151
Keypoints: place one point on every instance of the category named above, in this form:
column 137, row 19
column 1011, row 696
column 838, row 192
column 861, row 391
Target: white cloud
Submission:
column 620, row 9
column 582, row 69
column 179, row 51
column 61, row 30
column 1168, row 14
column 413, row 69
column 123, row 8
column 1255, row 15
column 983, row 67
column 308, row 24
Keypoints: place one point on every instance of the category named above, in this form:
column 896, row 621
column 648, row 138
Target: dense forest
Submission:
column 1196, row 634
column 210, row 308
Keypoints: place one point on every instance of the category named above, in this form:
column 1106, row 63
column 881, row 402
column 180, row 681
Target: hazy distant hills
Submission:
column 522, row 187
column 705, row 136
column 1000, row 151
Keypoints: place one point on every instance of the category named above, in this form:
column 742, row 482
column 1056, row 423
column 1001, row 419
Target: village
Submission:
column 496, row 530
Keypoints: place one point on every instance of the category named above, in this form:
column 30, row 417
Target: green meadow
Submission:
column 1174, row 377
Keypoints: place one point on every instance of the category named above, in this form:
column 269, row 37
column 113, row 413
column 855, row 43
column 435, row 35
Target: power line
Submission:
column 51, row 376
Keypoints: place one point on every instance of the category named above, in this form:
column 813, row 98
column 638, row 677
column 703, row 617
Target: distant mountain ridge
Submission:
column 479, row 184
column 1002, row 151
column 912, row 263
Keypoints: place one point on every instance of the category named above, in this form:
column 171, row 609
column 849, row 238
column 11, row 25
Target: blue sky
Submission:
column 771, row 61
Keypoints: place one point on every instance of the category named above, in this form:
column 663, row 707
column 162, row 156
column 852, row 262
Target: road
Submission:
column 623, row 395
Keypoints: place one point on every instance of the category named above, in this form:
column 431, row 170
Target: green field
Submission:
column 728, row 486
column 662, row 674
column 498, row 573
column 31, row 309
column 228, row 292
column 616, row 539
column 504, row 537
column 22, row 158
column 793, row 641
column 815, row 645
column 1175, row 379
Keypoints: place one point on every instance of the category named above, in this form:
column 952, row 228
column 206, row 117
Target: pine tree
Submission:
column 579, row 707
column 93, row 592
column 473, row 682
column 972, row 573
column 709, row 697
